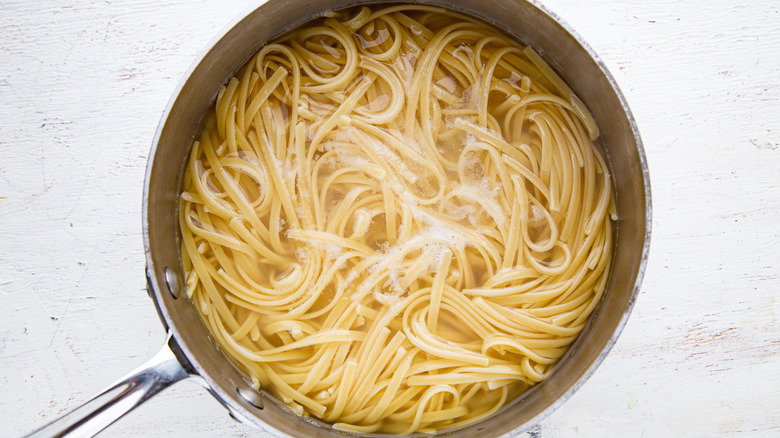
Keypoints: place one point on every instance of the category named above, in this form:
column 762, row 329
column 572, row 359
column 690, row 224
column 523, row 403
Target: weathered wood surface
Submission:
column 83, row 84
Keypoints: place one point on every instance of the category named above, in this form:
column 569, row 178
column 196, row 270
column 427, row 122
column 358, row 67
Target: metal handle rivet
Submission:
column 251, row 397
column 172, row 280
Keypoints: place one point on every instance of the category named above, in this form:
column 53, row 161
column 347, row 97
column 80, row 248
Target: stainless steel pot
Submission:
column 190, row 352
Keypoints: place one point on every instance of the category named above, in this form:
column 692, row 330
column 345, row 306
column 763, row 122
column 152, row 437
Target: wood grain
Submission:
column 82, row 87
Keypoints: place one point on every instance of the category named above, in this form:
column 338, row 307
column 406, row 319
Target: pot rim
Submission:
column 226, row 399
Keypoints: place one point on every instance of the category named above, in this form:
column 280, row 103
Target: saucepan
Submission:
column 191, row 353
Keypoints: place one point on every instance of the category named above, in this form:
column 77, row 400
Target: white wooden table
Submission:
column 82, row 87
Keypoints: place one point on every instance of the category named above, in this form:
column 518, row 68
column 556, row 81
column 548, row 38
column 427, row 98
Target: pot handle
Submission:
column 158, row 373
